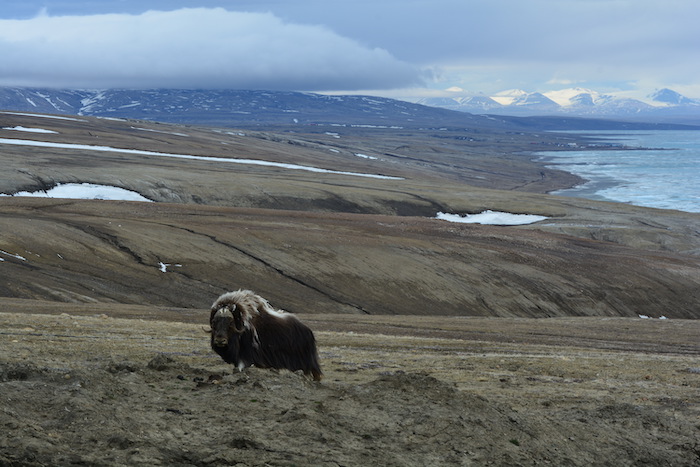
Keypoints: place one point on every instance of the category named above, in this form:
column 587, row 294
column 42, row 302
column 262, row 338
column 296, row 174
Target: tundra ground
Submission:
column 102, row 390
column 427, row 331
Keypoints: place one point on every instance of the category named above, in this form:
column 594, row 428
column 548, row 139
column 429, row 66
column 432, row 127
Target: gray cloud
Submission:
column 201, row 48
column 522, row 43
column 480, row 45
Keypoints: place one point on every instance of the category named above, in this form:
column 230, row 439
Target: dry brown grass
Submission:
column 500, row 391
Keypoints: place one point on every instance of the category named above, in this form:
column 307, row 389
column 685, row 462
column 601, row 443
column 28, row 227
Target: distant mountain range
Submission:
column 247, row 108
column 663, row 105
column 242, row 108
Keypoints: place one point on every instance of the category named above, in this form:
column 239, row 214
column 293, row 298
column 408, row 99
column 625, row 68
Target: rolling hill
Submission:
column 338, row 221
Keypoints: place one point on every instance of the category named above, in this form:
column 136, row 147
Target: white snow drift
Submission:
column 85, row 191
column 492, row 218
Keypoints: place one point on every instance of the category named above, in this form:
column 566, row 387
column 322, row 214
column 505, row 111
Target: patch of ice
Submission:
column 492, row 218
column 85, row 191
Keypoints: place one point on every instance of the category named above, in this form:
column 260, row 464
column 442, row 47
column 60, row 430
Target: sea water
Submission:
column 664, row 174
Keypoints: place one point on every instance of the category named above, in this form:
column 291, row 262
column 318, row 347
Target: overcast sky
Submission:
column 396, row 48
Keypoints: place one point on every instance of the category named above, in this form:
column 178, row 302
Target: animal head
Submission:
column 225, row 321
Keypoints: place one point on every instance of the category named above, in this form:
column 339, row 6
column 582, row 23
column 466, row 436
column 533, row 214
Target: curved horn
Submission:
column 238, row 320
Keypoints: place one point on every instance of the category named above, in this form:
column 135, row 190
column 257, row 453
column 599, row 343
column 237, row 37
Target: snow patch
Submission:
column 48, row 99
column 163, row 267
column 365, row 156
column 43, row 116
column 29, row 130
column 158, row 131
column 2, row 252
column 508, row 97
column 491, row 218
column 22, row 142
column 85, row 191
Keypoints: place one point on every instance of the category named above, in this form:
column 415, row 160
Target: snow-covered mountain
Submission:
column 520, row 99
column 662, row 105
column 574, row 97
column 669, row 97
column 248, row 108
column 241, row 108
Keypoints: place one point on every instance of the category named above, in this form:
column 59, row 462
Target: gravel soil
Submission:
column 102, row 390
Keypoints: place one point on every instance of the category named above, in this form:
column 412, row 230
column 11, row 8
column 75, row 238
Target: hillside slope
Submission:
column 357, row 237
column 87, row 251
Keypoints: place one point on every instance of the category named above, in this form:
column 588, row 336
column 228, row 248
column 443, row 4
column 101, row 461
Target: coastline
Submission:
column 588, row 187
column 658, row 172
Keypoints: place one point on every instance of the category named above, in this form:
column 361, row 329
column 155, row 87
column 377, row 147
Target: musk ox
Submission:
column 246, row 330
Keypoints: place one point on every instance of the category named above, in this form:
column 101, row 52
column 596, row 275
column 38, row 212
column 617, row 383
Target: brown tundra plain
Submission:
column 572, row 341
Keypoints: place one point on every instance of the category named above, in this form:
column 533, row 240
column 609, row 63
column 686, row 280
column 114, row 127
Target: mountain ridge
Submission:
column 663, row 105
column 259, row 108
column 237, row 107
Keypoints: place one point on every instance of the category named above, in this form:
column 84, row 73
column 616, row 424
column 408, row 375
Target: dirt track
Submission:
column 107, row 391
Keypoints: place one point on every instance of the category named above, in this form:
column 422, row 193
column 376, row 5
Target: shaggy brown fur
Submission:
column 247, row 330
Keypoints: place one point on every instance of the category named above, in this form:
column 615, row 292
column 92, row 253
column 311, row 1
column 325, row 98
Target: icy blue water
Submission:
column 666, row 177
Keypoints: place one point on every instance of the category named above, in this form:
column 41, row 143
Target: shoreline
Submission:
column 589, row 185
column 589, row 189
column 660, row 178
